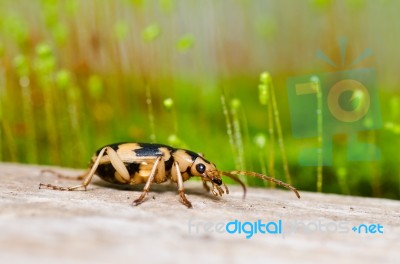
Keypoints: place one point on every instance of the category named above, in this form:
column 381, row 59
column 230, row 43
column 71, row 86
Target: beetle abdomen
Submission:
column 107, row 172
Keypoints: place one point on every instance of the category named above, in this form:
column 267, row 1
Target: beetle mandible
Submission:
column 135, row 163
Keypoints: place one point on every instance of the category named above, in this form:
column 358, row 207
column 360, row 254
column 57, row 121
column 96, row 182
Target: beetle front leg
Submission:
column 205, row 185
column 157, row 168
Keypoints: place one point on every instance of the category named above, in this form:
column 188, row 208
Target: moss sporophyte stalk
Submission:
column 315, row 85
column 267, row 96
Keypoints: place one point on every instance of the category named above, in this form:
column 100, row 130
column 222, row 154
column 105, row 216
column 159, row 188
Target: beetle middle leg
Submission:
column 116, row 162
column 181, row 190
column 158, row 167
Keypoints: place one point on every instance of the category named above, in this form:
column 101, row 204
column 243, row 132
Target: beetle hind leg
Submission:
column 70, row 188
column 60, row 188
column 62, row 176
column 87, row 177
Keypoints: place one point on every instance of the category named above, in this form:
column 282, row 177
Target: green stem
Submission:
column 50, row 121
column 229, row 130
column 5, row 129
column 271, row 158
column 237, row 134
column 149, row 102
column 316, row 86
column 280, row 136
column 29, row 120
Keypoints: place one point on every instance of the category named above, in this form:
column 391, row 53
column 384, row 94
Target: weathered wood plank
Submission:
column 100, row 226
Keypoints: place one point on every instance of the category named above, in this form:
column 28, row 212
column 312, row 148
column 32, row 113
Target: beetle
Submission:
column 148, row 163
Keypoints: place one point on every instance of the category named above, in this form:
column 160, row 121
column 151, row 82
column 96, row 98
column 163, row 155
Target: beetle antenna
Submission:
column 232, row 174
column 236, row 179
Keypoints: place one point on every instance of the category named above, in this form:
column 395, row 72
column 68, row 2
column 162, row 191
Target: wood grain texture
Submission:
column 100, row 226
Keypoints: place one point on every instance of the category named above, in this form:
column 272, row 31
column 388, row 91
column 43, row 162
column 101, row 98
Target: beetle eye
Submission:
column 200, row 168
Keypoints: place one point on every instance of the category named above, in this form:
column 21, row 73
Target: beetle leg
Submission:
column 150, row 180
column 85, row 182
column 181, row 190
column 115, row 161
column 123, row 174
column 205, row 185
column 213, row 190
column 62, row 176
column 219, row 189
column 226, row 188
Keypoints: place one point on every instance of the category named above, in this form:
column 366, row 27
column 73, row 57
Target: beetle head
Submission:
column 205, row 169
column 209, row 173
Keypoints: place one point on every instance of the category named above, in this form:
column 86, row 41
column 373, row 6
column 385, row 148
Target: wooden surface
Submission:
column 101, row 226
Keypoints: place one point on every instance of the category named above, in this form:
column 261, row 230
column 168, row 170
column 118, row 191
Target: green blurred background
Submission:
column 76, row 75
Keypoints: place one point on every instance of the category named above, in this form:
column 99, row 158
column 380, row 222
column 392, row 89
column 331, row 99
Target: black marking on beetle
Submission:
column 192, row 154
column 132, row 167
column 147, row 149
column 188, row 171
column 169, row 163
column 206, row 161
column 113, row 146
column 106, row 172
